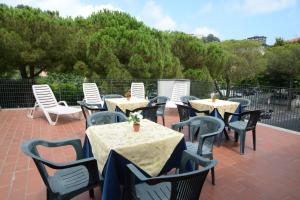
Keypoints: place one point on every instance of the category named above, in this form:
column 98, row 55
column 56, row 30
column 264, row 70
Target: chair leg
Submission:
column 226, row 134
column 51, row 122
column 254, row 139
column 213, row 176
column 91, row 192
column 236, row 136
column 242, row 142
column 31, row 112
column 163, row 118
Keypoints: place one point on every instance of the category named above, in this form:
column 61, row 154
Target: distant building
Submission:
column 295, row 39
column 262, row 39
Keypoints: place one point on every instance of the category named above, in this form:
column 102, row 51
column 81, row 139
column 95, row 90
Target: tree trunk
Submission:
column 31, row 72
column 290, row 94
column 23, row 72
column 227, row 88
column 218, row 89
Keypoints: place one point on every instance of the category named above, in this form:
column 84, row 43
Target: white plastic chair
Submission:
column 91, row 94
column 138, row 90
column 180, row 88
column 46, row 100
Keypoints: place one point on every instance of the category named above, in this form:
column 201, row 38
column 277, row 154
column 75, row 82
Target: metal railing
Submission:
column 282, row 104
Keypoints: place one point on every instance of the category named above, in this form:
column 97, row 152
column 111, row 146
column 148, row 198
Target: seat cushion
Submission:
column 193, row 148
column 160, row 113
column 161, row 191
column 238, row 125
column 68, row 180
column 63, row 110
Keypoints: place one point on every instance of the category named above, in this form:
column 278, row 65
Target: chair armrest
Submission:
column 63, row 102
column 87, row 162
column 200, row 111
column 228, row 114
column 127, row 112
column 208, row 135
column 177, row 126
column 136, row 172
column 74, row 142
column 198, row 160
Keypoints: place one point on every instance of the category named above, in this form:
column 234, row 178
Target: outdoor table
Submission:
column 217, row 108
column 124, row 103
column 155, row 150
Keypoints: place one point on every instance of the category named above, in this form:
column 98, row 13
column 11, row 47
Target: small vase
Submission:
column 136, row 127
column 128, row 98
column 213, row 99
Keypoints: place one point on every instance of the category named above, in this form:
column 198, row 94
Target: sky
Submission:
column 227, row 19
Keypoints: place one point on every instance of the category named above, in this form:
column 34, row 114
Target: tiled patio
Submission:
column 270, row 173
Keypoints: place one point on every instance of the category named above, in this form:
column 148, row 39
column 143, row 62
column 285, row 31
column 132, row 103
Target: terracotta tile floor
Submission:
column 270, row 173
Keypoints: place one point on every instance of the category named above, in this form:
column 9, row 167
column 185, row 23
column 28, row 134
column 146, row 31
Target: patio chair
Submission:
column 186, row 99
column 161, row 109
column 243, row 102
column 46, row 100
column 105, row 117
column 92, row 95
column 241, row 127
column 149, row 112
column 71, row 178
column 185, row 185
column 185, row 112
column 138, row 90
column 180, row 89
column 208, row 128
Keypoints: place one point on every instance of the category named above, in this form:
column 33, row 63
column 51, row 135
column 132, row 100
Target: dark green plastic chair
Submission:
column 186, row 185
column 105, row 117
column 161, row 110
column 207, row 128
column 148, row 112
column 243, row 102
column 186, row 99
column 241, row 127
column 186, row 111
column 71, row 178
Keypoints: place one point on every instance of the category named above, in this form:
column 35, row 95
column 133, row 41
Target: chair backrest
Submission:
column 148, row 112
column 186, row 185
column 205, row 125
column 243, row 102
column 253, row 119
column 29, row 147
column 186, row 99
column 91, row 93
column 105, row 117
column 180, row 89
column 44, row 96
column 159, row 100
column 138, row 90
column 184, row 112
column 112, row 96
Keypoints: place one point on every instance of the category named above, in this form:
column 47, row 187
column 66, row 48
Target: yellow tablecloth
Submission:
column 124, row 104
column 221, row 105
column 150, row 148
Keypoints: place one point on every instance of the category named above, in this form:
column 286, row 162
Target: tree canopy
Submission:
column 115, row 45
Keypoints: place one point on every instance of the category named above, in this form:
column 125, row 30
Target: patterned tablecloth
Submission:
column 124, row 104
column 221, row 105
column 149, row 149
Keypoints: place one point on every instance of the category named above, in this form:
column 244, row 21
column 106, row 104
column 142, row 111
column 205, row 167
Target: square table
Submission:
column 217, row 108
column 124, row 104
column 155, row 150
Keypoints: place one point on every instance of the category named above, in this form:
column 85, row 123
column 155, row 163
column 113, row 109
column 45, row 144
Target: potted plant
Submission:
column 128, row 95
column 135, row 118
